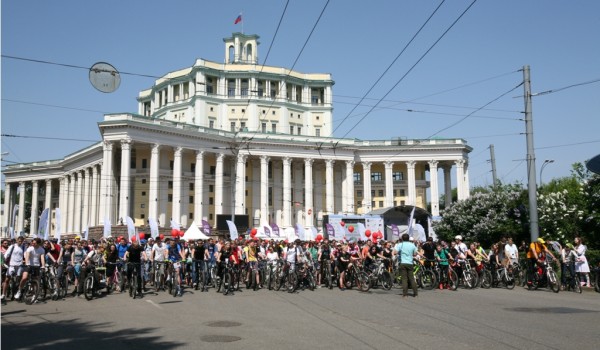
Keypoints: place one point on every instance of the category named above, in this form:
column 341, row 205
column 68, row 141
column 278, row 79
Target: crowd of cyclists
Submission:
column 35, row 270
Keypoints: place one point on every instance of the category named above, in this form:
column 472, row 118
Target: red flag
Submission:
column 238, row 19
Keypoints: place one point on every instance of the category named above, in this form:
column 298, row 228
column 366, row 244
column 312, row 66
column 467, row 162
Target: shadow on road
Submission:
column 74, row 334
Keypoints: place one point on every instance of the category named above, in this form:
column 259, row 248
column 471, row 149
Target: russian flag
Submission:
column 238, row 19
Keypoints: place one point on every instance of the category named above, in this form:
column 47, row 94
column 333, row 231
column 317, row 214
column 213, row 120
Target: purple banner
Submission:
column 275, row 229
column 267, row 231
column 330, row 231
column 206, row 227
column 395, row 231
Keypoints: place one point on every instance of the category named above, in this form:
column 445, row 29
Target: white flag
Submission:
column 58, row 229
column 233, row 232
column 130, row 227
column 153, row 227
column 43, row 224
column 361, row 231
column 410, row 221
column 107, row 228
column 86, row 233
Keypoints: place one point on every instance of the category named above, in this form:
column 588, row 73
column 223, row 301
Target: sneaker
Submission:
column 2, row 296
column 18, row 295
column 195, row 284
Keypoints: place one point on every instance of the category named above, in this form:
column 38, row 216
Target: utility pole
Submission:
column 493, row 161
column 531, row 172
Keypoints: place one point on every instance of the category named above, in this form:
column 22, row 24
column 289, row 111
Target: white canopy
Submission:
column 194, row 233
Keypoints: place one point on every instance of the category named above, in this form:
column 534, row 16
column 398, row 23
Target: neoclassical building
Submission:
column 229, row 138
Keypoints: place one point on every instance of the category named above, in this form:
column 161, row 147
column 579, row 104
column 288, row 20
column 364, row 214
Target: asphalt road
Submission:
column 322, row 319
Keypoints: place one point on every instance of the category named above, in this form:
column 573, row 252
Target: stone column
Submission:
column 85, row 215
column 77, row 213
column 344, row 190
column 297, row 201
column 199, row 188
column 240, row 182
column 350, row 202
column 412, row 186
column 308, row 193
column 277, row 192
column 448, row 185
column 7, row 206
column 71, row 212
column 389, row 184
column 467, row 188
column 125, row 179
column 64, row 203
column 154, row 178
column 106, row 183
column 21, row 215
column 329, row 186
column 367, row 199
column 435, row 194
column 176, row 211
column 48, row 195
column 33, row 225
column 95, row 191
column 264, row 189
column 219, row 185
column 287, row 191
column 460, row 179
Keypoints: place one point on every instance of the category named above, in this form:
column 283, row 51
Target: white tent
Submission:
column 194, row 233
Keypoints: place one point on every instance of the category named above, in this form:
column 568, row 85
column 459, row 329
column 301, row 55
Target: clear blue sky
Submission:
column 354, row 41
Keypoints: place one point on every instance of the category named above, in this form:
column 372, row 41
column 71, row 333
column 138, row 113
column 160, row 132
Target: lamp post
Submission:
column 546, row 162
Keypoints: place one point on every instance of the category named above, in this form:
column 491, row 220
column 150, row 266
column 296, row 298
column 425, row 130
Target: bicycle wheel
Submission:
column 468, row 279
column 452, row 280
column 363, row 281
column 577, row 285
column 43, row 288
column 311, row 281
column 120, row 281
column 486, row 279
column 253, row 281
column 31, row 292
column 292, row 282
column 386, row 280
column 553, row 282
column 428, row 280
column 88, row 288
column 509, row 280
column 226, row 284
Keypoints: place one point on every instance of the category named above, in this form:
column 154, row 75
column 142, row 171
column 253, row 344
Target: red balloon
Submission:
column 379, row 235
column 161, row 236
column 319, row 238
column 342, row 223
column 368, row 233
column 142, row 235
column 174, row 232
column 351, row 229
column 253, row 232
column 133, row 239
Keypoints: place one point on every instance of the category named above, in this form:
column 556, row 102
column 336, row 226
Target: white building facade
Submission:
column 233, row 138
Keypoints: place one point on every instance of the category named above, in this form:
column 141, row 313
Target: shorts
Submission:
column 16, row 269
column 32, row 270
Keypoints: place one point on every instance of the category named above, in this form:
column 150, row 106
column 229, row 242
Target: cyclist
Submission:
column 14, row 256
column 428, row 251
column 251, row 260
column 198, row 254
column 158, row 256
column 406, row 254
column 147, row 262
column 536, row 254
column 175, row 256
column 76, row 260
column 94, row 258
column 511, row 252
column 135, row 254
column 369, row 252
column 111, row 258
column 324, row 255
column 33, row 261
column 343, row 259
column 443, row 256
column 567, row 263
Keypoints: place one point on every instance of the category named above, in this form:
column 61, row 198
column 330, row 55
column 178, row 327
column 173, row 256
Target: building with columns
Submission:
column 233, row 138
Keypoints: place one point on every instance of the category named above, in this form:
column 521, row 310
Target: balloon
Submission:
column 174, row 232
column 319, row 238
column 253, row 232
column 133, row 239
column 161, row 236
column 368, row 233
column 342, row 223
column 379, row 235
column 255, row 238
column 142, row 235
column 351, row 229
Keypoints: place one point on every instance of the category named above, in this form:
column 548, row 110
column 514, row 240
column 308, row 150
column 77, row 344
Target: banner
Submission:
column 153, row 227
column 86, row 233
column 43, row 224
column 315, row 233
column 275, row 229
column 107, row 228
column 206, row 227
column 58, row 229
column 340, row 231
column 410, row 221
column 361, row 231
column 300, row 232
column 233, row 232
column 130, row 228
column 395, row 231
column 267, row 231
column 330, row 231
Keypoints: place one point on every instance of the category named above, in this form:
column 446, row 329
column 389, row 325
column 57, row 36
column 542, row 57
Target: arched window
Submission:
column 231, row 54
column 249, row 52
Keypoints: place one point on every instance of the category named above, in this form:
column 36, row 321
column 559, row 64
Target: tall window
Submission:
column 264, row 127
column 397, row 176
column 317, row 132
column 274, row 128
column 376, row 176
column 357, row 177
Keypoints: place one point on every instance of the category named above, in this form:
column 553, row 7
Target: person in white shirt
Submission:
column 33, row 261
column 158, row 256
column 14, row 254
column 511, row 251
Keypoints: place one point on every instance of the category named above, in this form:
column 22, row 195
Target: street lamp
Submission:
column 546, row 162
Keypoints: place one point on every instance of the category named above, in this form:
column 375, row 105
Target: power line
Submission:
column 390, row 65
column 569, row 144
column 48, row 138
column 413, row 66
column 551, row 91
column 54, row 106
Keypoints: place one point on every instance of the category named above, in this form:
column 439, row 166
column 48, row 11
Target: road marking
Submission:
column 153, row 303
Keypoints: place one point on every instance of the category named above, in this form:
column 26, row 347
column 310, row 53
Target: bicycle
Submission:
column 94, row 282
column 134, row 290
column 425, row 277
column 226, row 281
column 287, row 277
column 172, row 281
column 30, row 292
column 544, row 276
column 62, row 282
column 158, row 275
column 47, row 282
column 505, row 276
column 572, row 282
column 355, row 276
column 306, row 276
column 380, row 275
